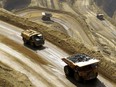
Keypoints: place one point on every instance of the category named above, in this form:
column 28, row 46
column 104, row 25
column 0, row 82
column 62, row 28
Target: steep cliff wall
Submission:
column 15, row 4
column 51, row 4
column 114, row 16
column 109, row 6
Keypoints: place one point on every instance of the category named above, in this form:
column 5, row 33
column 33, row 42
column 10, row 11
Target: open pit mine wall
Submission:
column 106, row 67
column 109, row 6
column 15, row 4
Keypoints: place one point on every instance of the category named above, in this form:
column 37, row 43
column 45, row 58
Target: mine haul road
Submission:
column 47, row 71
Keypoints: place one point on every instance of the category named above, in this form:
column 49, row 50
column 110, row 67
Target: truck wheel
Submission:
column 32, row 44
column 77, row 77
column 25, row 41
column 40, row 46
column 96, row 76
column 68, row 71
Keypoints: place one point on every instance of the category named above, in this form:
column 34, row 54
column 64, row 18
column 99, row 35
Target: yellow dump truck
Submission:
column 81, row 67
column 32, row 38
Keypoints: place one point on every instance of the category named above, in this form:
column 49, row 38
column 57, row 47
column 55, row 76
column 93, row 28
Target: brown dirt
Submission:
column 11, row 78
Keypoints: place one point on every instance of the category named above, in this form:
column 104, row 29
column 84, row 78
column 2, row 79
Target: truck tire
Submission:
column 32, row 44
column 68, row 71
column 25, row 41
column 96, row 75
column 77, row 77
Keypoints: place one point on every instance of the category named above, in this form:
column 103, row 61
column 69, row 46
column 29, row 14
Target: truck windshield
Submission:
column 38, row 37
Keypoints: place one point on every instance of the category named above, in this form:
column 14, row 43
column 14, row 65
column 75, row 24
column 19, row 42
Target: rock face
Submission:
column 51, row 4
column 15, row 4
column 109, row 6
column 114, row 16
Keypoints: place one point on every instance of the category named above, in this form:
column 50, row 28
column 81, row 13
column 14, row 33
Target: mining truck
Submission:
column 32, row 38
column 100, row 16
column 81, row 67
column 46, row 16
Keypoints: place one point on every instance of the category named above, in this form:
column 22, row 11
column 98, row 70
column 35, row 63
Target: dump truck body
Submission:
column 81, row 66
column 32, row 37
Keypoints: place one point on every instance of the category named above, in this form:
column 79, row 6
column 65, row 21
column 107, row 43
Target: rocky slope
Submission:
column 12, row 78
column 114, row 16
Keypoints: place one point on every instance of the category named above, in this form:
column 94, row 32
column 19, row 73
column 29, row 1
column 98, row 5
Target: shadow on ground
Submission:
column 35, row 48
column 90, row 83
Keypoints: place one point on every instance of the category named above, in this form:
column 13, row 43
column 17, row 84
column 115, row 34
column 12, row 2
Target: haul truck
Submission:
column 81, row 67
column 46, row 16
column 32, row 38
column 100, row 16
